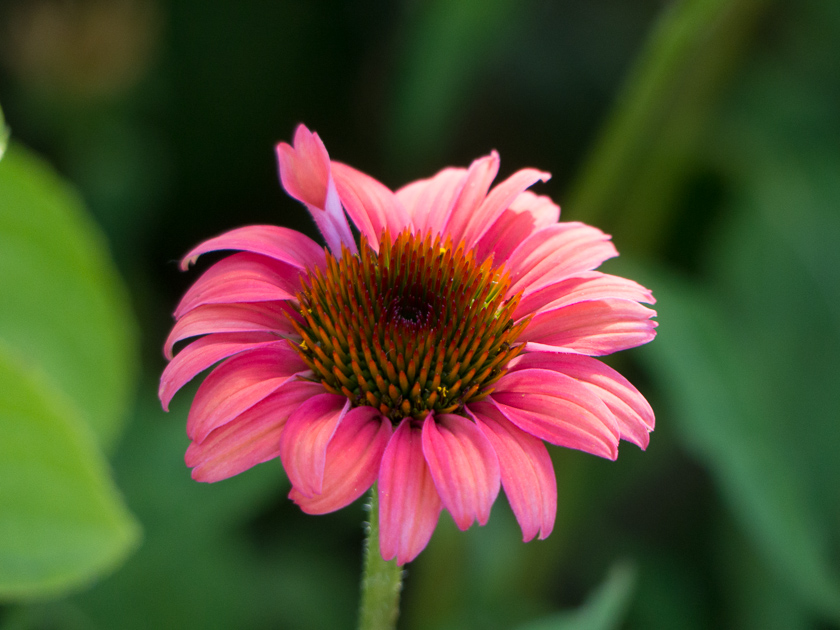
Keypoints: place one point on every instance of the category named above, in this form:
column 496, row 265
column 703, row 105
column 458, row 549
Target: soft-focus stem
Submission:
column 381, row 580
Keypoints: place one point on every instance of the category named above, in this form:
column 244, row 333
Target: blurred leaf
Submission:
column 64, row 308
column 603, row 610
column 4, row 135
column 63, row 521
column 726, row 418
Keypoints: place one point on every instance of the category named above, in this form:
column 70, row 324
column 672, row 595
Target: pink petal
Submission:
column 595, row 327
column 589, row 285
column 252, row 438
column 242, row 277
column 499, row 200
column 306, row 176
column 480, row 175
column 556, row 252
column 558, row 409
column 633, row 413
column 526, row 470
column 409, row 505
column 542, row 208
column 370, row 204
column 463, row 465
column 303, row 445
column 201, row 354
column 352, row 461
column 231, row 318
column 428, row 201
column 238, row 384
column 275, row 242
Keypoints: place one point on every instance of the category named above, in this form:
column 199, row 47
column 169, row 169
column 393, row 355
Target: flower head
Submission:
column 435, row 356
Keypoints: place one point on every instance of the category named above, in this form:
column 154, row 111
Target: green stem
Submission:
column 381, row 581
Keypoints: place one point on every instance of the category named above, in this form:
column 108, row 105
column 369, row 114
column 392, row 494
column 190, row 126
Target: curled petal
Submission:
column 499, row 200
column 352, row 461
column 268, row 317
column 252, row 438
column 283, row 244
column 526, row 471
column 303, row 445
column 594, row 327
column 409, row 505
column 201, row 354
column 242, row 277
column 238, row 384
column 479, row 176
column 558, row 409
column 633, row 413
column 370, row 204
column 556, row 252
column 306, row 175
column 428, row 201
column 589, row 285
column 464, row 467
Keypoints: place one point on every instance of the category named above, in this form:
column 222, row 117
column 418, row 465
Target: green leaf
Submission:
column 725, row 416
column 64, row 308
column 63, row 521
column 603, row 610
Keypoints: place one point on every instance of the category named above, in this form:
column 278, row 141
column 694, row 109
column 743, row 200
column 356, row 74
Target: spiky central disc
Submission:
column 417, row 327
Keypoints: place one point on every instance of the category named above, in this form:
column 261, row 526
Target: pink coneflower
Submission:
column 434, row 357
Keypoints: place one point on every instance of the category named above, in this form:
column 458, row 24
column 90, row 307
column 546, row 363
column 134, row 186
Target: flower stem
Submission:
column 381, row 581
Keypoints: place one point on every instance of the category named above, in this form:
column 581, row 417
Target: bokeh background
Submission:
column 704, row 135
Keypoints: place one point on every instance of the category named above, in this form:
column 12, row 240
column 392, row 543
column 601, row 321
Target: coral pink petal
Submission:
column 499, row 200
column 542, row 208
column 370, row 204
column 409, row 505
column 352, row 461
column 595, row 327
column 306, row 175
column 252, row 438
column 464, row 467
column 526, row 470
column 288, row 246
column 558, row 409
column 633, row 413
column 480, row 175
column 589, row 285
column 201, row 354
column 242, row 277
column 428, row 201
column 556, row 252
column 238, row 384
column 231, row 318
column 527, row 214
column 303, row 445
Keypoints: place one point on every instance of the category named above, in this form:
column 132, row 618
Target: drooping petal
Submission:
column 428, row 201
column 480, row 175
column 238, row 384
column 201, row 354
column 556, row 252
column 242, row 277
column 498, row 200
column 633, row 413
column 409, row 505
column 352, row 461
column 303, row 444
column 526, row 470
column 589, row 285
column 370, row 204
column 306, row 175
column 252, row 438
column 593, row 327
column 232, row 318
column 464, row 467
column 283, row 244
column 558, row 409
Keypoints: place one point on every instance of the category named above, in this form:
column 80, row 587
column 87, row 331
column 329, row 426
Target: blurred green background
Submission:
column 704, row 135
